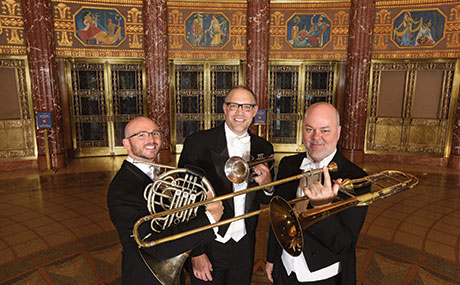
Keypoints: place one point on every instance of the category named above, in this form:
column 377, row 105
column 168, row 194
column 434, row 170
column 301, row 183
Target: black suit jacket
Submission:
column 332, row 239
column 126, row 205
column 208, row 150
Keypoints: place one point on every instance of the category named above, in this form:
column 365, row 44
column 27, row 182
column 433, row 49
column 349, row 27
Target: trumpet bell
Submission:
column 236, row 169
column 286, row 226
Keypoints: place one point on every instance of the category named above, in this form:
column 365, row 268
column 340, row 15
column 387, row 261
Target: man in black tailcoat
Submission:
column 127, row 204
column 229, row 258
column 328, row 256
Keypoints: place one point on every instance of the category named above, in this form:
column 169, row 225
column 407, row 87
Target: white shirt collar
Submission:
column 146, row 168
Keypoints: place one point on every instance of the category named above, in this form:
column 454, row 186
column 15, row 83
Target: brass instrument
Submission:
column 187, row 208
column 238, row 170
column 172, row 189
column 288, row 225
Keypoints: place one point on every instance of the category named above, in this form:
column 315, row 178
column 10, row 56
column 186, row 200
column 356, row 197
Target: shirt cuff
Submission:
column 269, row 192
column 212, row 221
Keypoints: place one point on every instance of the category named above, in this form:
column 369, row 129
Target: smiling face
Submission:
column 320, row 130
column 142, row 149
column 238, row 120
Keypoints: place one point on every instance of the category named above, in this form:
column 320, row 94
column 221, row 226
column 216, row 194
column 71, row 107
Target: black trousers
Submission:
column 280, row 277
column 232, row 262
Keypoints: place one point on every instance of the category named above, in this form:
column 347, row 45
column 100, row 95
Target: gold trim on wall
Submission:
column 18, row 136
column 407, row 134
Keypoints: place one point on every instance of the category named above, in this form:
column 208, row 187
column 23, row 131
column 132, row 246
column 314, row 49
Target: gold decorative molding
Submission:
column 114, row 3
column 238, row 30
column 11, row 22
column 134, row 28
column 63, row 24
column 277, row 30
column 176, row 29
column 382, row 29
column 339, row 30
column 453, row 28
column 82, row 52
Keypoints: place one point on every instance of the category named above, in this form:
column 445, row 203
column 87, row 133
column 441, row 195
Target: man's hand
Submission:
column 215, row 208
column 202, row 267
column 322, row 195
column 269, row 270
column 262, row 174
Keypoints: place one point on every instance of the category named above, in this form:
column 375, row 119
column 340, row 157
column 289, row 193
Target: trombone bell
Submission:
column 286, row 226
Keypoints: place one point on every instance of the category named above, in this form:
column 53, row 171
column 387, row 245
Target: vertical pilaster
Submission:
column 258, row 35
column 38, row 29
column 155, row 15
column 358, row 71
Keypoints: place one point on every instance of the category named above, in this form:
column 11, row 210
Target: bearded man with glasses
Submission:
column 229, row 258
column 127, row 204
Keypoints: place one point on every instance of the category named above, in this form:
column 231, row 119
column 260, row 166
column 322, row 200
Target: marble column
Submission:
column 454, row 158
column 155, row 15
column 358, row 71
column 258, row 35
column 38, row 30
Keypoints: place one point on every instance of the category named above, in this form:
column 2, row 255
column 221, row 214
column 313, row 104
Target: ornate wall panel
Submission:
column 200, row 30
column 98, row 28
column 17, row 133
column 417, row 29
column 12, row 39
column 309, row 30
column 418, row 129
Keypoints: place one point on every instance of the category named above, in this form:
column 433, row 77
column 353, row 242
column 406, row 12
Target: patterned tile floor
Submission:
column 55, row 228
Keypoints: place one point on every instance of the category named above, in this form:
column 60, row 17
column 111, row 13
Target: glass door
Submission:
column 293, row 86
column 105, row 95
column 198, row 91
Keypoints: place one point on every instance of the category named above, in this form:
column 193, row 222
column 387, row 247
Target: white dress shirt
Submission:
column 299, row 264
column 237, row 146
column 148, row 169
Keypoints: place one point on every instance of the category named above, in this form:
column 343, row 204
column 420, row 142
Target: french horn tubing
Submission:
column 174, row 188
column 288, row 225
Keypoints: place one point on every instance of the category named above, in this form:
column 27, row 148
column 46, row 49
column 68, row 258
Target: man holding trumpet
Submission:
column 229, row 258
column 127, row 204
column 328, row 256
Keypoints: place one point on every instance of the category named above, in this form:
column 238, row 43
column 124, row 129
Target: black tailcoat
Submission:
column 126, row 205
column 332, row 239
column 208, row 151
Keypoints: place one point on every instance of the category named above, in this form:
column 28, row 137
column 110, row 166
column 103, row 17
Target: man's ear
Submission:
column 256, row 108
column 126, row 144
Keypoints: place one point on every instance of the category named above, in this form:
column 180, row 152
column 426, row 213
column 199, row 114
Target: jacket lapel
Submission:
column 219, row 155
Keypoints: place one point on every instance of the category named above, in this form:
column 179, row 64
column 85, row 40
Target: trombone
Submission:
column 185, row 208
column 288, row 225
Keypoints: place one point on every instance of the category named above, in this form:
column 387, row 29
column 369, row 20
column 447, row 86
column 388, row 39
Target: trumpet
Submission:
column 238, row 170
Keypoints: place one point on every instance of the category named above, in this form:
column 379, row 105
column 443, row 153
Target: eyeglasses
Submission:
column 234, row 106
column 144, row 135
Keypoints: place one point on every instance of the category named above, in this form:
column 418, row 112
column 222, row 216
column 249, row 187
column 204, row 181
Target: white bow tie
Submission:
column 307, row 164
column 245, row 139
